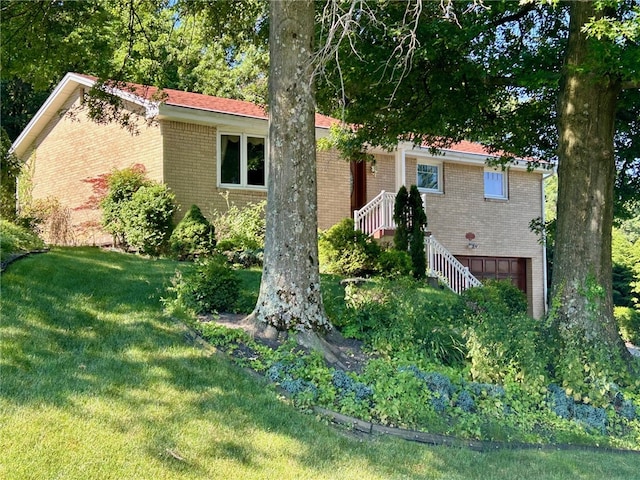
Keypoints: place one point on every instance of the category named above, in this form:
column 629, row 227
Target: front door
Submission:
column 358, row 185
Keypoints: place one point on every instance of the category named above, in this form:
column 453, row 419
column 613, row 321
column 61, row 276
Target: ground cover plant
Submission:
column 472, row 366
column 97, row 382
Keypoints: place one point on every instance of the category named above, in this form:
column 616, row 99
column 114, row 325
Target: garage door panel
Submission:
column 501, row 268
column 476, row 264
column 504, row 266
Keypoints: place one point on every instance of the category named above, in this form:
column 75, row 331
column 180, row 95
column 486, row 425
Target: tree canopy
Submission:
column 551, row 81
column 491, row 74
column 182, row 45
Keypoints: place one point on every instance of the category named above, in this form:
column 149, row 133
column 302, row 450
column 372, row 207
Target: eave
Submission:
column 51, row 108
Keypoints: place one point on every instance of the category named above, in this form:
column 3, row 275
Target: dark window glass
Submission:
column 255, row 161
column 230, row 157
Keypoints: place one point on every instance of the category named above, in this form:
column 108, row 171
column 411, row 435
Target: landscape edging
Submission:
column 17, row 256
column 371, row 429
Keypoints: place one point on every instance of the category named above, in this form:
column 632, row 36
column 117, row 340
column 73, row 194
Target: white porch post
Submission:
column 400, row 161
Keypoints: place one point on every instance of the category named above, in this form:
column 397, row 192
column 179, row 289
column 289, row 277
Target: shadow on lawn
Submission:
column 81, row 324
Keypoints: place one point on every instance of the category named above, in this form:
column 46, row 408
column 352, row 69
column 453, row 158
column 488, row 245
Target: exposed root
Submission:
column 326, row 344
column 313, row 341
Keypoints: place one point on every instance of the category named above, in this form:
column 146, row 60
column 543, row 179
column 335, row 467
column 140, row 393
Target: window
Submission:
column 429, row 177
column 242, row 160
column 495, row 184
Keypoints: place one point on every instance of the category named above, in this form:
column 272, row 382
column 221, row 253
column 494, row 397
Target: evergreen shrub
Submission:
column 416, row 235
column 402, row 218
column 194, row 236
column 121, row 185
column 411, row 221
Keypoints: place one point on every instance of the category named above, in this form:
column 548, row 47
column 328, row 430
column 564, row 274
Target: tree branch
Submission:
column 514, row 17
column 631, row 85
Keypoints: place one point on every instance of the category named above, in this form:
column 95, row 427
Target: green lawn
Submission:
column 97, row 383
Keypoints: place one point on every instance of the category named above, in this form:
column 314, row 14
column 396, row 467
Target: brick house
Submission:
column 211, row 151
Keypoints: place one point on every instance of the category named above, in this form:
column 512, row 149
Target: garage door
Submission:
column 498, row 268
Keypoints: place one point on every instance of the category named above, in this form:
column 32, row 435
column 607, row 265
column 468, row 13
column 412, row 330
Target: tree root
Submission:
column 325, row 344
column 314, row 341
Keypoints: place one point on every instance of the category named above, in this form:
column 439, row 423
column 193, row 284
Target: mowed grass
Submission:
column 97, row 383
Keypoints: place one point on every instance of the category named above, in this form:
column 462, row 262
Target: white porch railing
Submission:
column 442, row 264
column 376, row 215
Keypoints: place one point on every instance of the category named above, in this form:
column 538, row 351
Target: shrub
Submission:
column 416, row 236
column 14, row 239
column 213, row 287
column 49, row 219
column 411, row 220
column 402, row 218
column 147, row 218
column 193, row 236
column 240, row 229
column 393, row 263
column 628, row 323
column 122, row 184
column 346, row 251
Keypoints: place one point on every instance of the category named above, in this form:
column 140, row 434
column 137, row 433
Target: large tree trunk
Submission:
column 582, row 278
column 289, row 296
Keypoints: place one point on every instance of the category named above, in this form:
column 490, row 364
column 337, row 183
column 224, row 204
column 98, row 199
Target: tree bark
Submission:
column 289, row 297
column 582, row 277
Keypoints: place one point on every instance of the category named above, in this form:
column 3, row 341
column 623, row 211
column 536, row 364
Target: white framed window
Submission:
column 242, row 160
column 429, row 176
column 495, row 184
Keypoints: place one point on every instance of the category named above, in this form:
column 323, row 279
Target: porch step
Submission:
column 389, row 232
column 376, row 219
